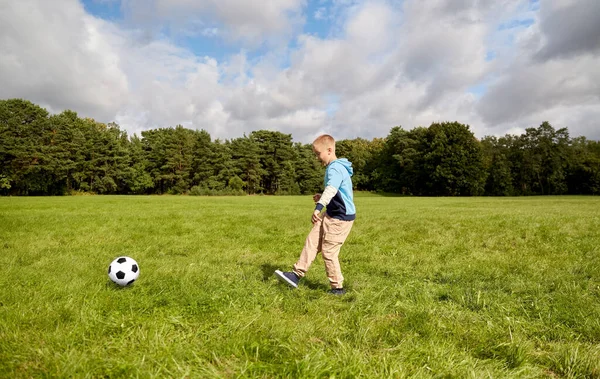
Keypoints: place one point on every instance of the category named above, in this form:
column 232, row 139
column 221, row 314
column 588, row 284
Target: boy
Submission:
column 329, row 231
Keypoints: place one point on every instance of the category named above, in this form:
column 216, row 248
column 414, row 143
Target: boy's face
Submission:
column 323, row 153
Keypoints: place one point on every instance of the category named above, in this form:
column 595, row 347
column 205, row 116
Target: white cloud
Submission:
column 372, row 29
column 569, row 28
column 386, row 64
column 548, row 79
column 242, row 20
column 57, row 55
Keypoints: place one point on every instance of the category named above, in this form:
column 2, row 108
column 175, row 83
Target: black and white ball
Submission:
column 123, row 271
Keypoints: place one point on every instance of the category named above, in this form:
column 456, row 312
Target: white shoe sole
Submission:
column 282, row 277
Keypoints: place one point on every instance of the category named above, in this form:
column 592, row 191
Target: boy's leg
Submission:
column 335, row 233
column 312, row 246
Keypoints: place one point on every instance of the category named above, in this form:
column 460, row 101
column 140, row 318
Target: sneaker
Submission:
column 289, row 278
column 337, row 291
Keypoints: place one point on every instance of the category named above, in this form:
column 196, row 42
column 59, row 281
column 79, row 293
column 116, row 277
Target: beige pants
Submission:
column 326, row 236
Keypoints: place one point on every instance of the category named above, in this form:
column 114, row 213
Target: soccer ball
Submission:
column 123, row 271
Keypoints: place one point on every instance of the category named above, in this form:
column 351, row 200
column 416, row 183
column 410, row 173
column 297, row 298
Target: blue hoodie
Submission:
column 338, row 175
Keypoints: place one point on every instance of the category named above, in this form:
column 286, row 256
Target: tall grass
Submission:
column 437, row 287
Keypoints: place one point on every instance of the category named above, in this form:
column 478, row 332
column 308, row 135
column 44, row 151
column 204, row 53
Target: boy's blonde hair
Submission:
column 324, row 140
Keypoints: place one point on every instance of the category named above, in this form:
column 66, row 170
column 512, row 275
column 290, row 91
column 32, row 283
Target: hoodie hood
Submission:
column 346, row 163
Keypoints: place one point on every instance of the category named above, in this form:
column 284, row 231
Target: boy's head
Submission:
column 324, row 148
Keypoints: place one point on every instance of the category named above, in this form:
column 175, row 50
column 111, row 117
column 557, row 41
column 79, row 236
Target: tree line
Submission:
column 43, row 154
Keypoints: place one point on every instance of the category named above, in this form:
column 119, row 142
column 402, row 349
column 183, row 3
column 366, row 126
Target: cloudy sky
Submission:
column 352, row 68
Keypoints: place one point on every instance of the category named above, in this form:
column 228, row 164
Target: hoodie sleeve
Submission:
column 334, row 181
column 335, row 176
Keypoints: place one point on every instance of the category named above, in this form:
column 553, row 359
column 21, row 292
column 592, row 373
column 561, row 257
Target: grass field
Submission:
column 437, row 287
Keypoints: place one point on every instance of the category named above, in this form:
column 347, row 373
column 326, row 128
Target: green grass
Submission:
column 437, row 287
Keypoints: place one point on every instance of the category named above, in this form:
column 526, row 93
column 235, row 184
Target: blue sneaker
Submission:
column 337, row 291
column 289, row 278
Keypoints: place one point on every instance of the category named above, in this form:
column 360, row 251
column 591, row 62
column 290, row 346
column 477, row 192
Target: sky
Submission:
column 350, row 68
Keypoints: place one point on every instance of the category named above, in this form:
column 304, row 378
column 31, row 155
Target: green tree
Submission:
column 25, row 166
column 245, row 153
column 545, row 159
column 137, row 177
column 499, row 179
column 170, row 158
column 51, row 155
column 276, row 150
column 454, row 161
column 64, row 146
column 584, row 167
column 179, row 149
column 222, row 166
column 201, row 167
column 236, row 183
column 309, row 172
column 397, row 162
column 4, row 183
column 360, row 152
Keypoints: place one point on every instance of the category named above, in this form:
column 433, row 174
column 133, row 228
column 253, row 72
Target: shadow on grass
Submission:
column 314, row 285
column 114, row 286
column 268, row 272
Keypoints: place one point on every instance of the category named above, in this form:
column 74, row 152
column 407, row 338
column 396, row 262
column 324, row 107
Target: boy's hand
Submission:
column 317, row 197
column 316, row 217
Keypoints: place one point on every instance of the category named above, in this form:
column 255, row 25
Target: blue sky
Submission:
column 108, row 10
column 352, row 68
column 317, row 15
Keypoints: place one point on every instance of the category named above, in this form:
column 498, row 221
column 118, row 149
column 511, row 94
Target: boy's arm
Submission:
column 333, row 184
